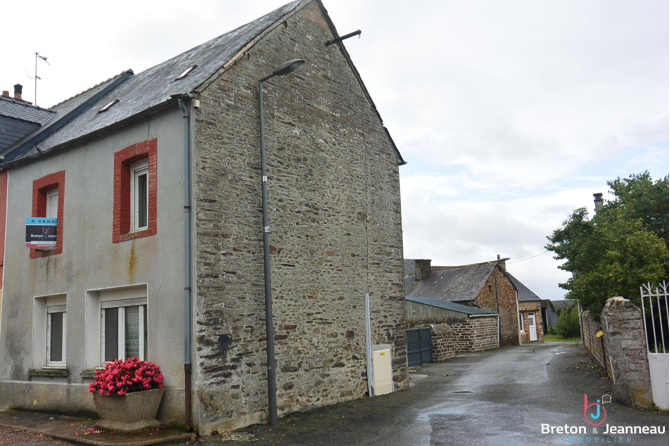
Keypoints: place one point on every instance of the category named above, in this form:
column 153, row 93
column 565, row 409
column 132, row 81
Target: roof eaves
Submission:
column 90, row 136
column 49, row 130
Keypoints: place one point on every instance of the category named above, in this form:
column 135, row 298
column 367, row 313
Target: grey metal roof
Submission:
column 157, row 85
column 563, row 303
column 523, row 292
column 458, row 283
column 452, row 306
column 25, row 112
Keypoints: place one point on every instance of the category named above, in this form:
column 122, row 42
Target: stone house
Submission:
column 154, row 179
column 531, row 314
column 484, row 285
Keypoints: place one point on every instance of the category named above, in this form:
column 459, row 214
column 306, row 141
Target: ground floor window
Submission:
column 123, row 329
column 56, row 320
column 521, row 321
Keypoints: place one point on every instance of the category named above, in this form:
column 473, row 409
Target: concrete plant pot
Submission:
column 133, row 412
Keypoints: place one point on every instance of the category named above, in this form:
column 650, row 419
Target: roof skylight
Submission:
column 185, row 72
column 108, row 106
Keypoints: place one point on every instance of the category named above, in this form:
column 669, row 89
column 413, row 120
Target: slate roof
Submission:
column 523, row 292
column 455, row 284
column 23, row 111
column 157, row 85
column 452, row 306
column 18, row 119
column 154, row 88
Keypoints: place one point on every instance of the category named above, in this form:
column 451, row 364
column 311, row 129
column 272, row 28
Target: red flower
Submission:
column 124, row 376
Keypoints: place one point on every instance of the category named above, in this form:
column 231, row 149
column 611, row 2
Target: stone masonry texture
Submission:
column 335, row 232
column 626, row 352
column 506, row 300
column 460, row 335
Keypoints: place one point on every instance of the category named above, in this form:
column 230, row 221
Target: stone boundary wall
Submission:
column 625, row 350
column 475, row 334
column 460, row 335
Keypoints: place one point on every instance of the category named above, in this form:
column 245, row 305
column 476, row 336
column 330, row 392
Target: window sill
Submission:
column 47, row 372
column 134, row 235
column 90, row 374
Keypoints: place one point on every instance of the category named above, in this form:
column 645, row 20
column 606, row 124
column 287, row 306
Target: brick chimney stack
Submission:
column 5, row 93
column 598, row 200
column 18, row 90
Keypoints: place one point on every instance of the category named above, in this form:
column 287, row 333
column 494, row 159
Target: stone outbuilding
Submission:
column 154, row 183
column 531, row 322
column 482, row 285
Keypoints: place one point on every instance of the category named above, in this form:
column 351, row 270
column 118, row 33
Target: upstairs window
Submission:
column 135, row 191
column 48, row 201
column 139, row 195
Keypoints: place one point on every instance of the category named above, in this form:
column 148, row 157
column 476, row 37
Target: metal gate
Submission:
column 419, row 346
column 655, row 316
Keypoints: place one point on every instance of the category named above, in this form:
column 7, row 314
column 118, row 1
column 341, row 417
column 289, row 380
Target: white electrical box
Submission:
column 382, row 370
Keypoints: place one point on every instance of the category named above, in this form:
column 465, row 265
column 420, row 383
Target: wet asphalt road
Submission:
column 500, row 397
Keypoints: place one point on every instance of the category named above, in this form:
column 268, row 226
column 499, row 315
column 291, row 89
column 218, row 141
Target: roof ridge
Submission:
column 129, row 70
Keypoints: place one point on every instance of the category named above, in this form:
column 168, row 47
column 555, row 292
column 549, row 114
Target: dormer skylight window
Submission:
column 185, row 72
column 108, row 106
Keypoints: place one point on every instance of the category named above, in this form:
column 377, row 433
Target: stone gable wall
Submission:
column 509, row 311
column 335, row 231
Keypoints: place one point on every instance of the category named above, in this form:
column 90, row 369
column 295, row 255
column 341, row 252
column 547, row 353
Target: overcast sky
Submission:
column 510, row 114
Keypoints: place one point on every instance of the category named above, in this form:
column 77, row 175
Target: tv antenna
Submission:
column 38, row 57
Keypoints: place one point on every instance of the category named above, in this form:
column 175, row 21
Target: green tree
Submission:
column 567, row 324
column 622, row 247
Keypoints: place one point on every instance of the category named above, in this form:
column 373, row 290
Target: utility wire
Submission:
column 528, row 258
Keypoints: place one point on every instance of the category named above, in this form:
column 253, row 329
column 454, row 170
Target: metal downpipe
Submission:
column 188, row 418
column 269, row 329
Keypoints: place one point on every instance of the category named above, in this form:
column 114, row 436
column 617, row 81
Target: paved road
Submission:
column 500, row 397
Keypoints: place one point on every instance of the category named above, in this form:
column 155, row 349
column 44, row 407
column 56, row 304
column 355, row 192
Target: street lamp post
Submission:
column 283, row 69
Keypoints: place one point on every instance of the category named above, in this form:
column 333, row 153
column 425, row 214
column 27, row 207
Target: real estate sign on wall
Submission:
column 41, row 232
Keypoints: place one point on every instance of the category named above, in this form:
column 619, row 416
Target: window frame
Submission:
column 53, row 309
column 124, row 204
column 41, row 192
column 121, row 305
column 522, row 326
column 137, row 170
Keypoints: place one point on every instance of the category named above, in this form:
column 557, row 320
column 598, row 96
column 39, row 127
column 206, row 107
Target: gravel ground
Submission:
column 16, row 437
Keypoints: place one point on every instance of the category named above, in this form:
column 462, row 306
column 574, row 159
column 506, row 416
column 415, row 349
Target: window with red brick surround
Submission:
column 40, row 188
column 123, row 160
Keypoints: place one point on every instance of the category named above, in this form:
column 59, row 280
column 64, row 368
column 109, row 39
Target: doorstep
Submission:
column 83, row 431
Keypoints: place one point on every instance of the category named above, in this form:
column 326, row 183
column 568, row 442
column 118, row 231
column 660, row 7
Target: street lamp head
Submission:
column 288, row 67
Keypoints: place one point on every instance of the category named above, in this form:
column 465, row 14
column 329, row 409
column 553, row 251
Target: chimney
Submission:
column 422, row 269
column 501, row 262
column 18, row 89
column 5, row 93
column 598, row 200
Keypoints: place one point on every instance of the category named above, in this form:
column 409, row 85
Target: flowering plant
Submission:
column 125, row 376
